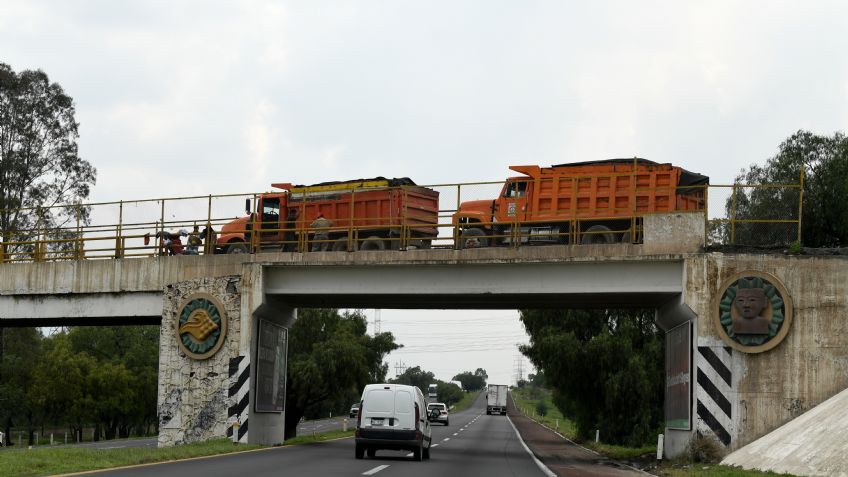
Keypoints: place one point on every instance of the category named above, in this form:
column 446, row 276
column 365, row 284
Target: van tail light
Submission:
column 417, row 416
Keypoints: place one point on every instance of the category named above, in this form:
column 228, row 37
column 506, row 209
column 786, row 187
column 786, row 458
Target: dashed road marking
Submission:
column 375, row 469
column 455, row 433
column 446, row 439
column 435, row 445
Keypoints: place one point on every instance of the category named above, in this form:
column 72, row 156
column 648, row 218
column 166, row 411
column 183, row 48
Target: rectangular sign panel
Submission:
column 271, row 348
column 678, row 377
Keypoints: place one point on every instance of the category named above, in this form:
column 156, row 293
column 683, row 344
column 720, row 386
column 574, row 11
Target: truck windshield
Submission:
column 271, row 210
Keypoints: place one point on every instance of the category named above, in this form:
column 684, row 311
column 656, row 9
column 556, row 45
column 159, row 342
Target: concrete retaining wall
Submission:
column 810, row 365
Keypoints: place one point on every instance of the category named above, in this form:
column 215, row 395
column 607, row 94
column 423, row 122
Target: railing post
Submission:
column 455, row 232
column 706, row 215
column 733, row 215
column 119, row 249
column 160, row 242
column 207, row 241
column 800, row 203
column 78, row 242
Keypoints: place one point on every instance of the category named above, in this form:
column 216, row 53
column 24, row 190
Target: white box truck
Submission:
column 496, row 399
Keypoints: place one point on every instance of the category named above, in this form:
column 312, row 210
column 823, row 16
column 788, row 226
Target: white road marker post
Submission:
column 660, row 442
column 235, row 430
column 344, row 425
column 51, row 438
column 597, row 435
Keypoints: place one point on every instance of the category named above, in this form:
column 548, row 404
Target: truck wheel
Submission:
column 340, row 245
column 473, row 238
column 360, row 451
column 373, row 243
column 597, row 234
column 237, row 247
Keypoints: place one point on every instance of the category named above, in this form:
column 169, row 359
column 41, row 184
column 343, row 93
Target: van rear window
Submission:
column 379, row 400
column 403, row 402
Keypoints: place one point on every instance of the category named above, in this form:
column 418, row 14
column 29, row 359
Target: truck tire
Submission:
column 473, row 238
column 340, row 245
column 237, row 247
column 373, row 243
column 597, row 234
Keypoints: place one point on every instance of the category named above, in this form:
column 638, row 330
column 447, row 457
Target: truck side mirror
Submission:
column 247, row 206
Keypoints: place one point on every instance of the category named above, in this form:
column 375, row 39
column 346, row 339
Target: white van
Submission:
column 394, row 417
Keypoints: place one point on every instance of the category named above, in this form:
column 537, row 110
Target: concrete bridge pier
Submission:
column 214, row 378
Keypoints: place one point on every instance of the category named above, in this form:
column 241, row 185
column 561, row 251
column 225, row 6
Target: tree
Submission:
column 449, row 393
column 606, row 369
column 416, row 376
column 824, row 160
column 39, row 162
column 23, row 350
column 330, row 357
column 472, row 381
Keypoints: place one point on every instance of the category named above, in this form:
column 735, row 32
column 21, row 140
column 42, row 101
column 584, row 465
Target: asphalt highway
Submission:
column 474, row 444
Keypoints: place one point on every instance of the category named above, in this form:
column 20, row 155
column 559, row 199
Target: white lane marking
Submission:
column 435, row 445
column 545, row 470
column 455, row 433
column 409, row 455
column 446, row 439
column 375, row 470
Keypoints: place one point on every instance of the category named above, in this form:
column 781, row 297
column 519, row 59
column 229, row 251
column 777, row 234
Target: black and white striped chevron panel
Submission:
column 239, row 396
column 714, row 409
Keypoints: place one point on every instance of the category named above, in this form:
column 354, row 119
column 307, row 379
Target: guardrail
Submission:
column 754, row 215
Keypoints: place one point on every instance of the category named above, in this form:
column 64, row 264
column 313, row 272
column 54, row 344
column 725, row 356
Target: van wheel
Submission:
column 360, row 451
column 426, row 453
column 447, row 423
column 373, row 243
column 372, row 452
column 417, row 454
column 237, row 247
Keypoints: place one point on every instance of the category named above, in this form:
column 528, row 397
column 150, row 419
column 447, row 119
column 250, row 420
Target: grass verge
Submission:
column 465, row 402
column 319, row 437
column 61, row 460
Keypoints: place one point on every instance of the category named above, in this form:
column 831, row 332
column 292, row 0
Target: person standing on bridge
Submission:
column 321, row 239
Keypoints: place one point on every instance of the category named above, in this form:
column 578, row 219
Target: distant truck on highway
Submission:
column 596, row 202
column 366, row 214
column 496, row 399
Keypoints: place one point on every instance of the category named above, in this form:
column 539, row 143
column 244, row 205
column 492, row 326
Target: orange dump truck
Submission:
column 587, row 202
column 365, row 214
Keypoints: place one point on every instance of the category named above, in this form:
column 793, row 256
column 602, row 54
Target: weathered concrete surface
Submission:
column 771, row 388
column 815, row 443
column 194, row 394
column 673, row 233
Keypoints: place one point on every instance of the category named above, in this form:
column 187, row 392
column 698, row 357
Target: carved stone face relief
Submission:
column 754, row 312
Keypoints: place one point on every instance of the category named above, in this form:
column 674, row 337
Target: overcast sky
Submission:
column 178, row 98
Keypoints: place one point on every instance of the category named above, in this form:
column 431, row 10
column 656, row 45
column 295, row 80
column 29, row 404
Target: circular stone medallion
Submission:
column 201, row 326
column 754, row 312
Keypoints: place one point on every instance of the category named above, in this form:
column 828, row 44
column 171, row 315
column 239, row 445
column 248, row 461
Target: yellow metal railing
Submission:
column 142, row 228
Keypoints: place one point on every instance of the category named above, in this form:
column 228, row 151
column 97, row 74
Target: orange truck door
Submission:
column 513, row 202
column 269, row 223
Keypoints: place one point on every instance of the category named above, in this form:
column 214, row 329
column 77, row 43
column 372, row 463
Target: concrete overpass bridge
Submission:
column 223, row 319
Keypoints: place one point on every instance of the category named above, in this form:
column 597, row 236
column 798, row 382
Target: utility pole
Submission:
column 518, row 367
column 377, row 322
column 400, row 368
